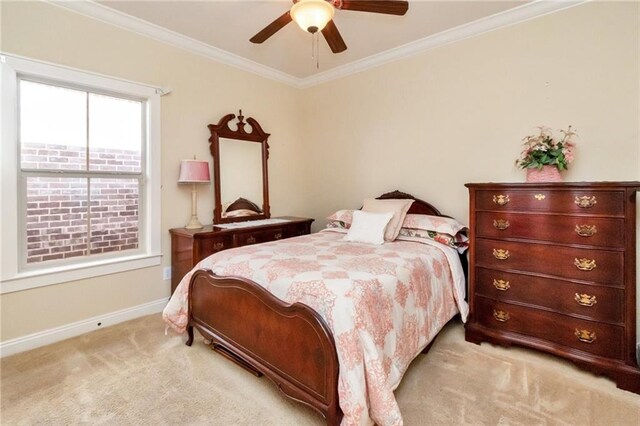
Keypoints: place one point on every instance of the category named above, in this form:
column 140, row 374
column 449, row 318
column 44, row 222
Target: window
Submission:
column 80, row 164
column 80, row 178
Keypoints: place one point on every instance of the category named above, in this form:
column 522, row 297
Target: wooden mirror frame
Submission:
column 257, row 135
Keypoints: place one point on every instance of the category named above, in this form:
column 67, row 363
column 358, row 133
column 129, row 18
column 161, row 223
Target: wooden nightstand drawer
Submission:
column 298, row 229
column 589, row 301
column 256, row 237
column 588, row 336
column 210, row 245
column 591, row 265
column 594, row 231
column 592, row 202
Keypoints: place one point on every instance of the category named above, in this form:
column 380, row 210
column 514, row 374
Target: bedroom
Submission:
column 447, row 116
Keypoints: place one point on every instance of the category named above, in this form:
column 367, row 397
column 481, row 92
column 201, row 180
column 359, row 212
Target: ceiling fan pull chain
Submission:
column 317, row 52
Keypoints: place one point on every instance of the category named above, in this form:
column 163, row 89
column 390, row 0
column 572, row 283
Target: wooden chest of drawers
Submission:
column 190, row 246
column 553, row 267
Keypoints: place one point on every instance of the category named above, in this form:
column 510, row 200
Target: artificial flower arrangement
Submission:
column 544, row 150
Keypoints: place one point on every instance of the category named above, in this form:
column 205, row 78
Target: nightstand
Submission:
column 190, row 246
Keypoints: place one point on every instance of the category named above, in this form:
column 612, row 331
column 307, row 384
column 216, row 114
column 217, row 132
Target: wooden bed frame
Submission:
column 290, row 344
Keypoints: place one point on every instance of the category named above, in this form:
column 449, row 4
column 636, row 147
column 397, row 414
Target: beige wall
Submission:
column 425, row 125
column 457, row 114
column 203, row 91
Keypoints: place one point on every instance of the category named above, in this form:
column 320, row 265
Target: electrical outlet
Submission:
column 166, row 273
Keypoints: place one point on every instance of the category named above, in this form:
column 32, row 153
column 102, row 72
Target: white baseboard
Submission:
column 57, row 334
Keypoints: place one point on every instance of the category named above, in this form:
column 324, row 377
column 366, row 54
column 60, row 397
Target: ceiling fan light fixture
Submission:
column 312, row 15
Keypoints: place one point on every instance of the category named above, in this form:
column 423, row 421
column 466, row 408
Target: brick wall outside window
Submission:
column 57, row 214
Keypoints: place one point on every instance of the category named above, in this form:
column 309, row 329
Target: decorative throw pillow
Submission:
column 399, row 209
column 368, row 227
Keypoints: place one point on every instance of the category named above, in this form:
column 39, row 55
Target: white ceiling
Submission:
column 222, row 28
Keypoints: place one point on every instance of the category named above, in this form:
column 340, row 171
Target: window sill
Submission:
column 57, row 275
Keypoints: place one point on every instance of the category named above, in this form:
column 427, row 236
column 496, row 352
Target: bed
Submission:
column 298, row 310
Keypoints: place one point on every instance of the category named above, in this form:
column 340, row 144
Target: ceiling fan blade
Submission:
column 389, row 7
column 333, row 37
column 271, row 29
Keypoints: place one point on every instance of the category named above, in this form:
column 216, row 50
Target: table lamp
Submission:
column 193, row 172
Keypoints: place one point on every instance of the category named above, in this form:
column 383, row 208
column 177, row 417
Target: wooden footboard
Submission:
column 290, row 344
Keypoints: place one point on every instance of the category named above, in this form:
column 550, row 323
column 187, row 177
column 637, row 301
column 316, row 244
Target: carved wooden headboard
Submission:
column 418, row 207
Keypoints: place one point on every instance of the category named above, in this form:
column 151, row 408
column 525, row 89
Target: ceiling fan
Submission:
column 317, row 15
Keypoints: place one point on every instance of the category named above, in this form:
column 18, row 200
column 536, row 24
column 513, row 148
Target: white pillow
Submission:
column 368, row 227
column 398, row 207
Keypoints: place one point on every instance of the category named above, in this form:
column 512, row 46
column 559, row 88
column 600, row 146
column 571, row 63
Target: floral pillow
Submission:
column 444, row 225
column 440, row 224
column 444, row 230
column 459, row 241
column 341, row 219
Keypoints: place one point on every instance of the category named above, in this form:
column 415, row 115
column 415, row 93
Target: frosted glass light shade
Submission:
column 194, row 171
column 312, row 15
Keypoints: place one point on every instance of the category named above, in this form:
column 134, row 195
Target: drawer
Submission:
column 256, row 237
column 210, row 245
column 297, row 229
column 554, row 201
column 589, row 301
column 592, row 265
column 595, row 231
column 589, row 336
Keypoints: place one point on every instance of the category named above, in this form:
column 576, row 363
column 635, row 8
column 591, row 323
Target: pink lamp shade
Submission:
column 194, row 171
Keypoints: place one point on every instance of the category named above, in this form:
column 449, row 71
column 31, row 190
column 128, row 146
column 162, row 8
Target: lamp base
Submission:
column 194, row 223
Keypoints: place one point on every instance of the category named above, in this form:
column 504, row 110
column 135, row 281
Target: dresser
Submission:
column 190, row 246
column 553, row 267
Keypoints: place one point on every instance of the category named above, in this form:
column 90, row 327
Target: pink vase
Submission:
column 546, row 174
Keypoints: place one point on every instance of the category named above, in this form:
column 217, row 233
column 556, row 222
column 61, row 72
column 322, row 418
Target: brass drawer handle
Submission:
column 501, row 200
column 585, row 202
column 501, row 316
column 585, row 299
column 500, row 224
column 501, row 254
column 277, row 236
column 586, row 230
column 251, row 240
column 501, row 285
column 539, row 197
column 585, row 336
column 218, row 246
column 585, row 264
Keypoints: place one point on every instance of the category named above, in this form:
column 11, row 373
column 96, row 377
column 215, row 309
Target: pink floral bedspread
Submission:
column 384, row 304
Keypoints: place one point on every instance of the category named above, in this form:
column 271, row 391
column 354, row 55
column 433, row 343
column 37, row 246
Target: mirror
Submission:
column 239, row 170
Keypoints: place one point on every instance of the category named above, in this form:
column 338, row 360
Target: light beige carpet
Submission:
column 132, row 374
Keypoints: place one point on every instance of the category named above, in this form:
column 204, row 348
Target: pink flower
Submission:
column 568, row 155
column 544, row 149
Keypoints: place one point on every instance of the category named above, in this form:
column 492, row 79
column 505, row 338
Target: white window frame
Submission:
column 13, row 275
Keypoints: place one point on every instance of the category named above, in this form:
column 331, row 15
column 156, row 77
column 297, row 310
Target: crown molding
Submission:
column 114, row 17
column 507, row 18
column 490, row 23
